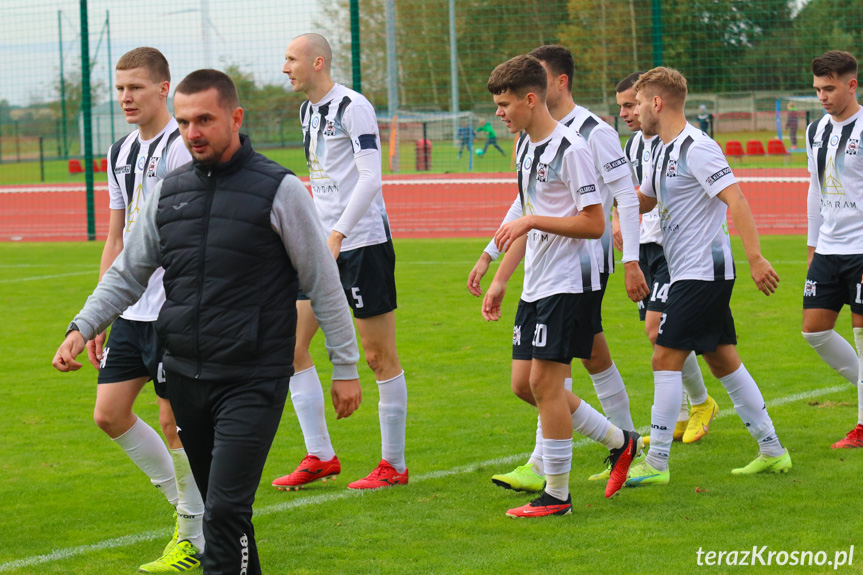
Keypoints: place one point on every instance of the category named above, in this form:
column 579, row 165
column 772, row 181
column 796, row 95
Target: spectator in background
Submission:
column 792, row 124
column 465, row 135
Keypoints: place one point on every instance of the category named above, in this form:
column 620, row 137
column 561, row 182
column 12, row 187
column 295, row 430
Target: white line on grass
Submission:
column 69, row 552
column 37, row 278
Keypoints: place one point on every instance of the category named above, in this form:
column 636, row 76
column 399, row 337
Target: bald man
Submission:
column 343, row 152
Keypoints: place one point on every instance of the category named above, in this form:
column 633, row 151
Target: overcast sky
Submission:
column 250, row 33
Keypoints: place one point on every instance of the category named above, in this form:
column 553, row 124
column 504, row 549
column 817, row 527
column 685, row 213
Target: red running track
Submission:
column 419, row 206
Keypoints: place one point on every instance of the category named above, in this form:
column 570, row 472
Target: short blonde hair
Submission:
column 148, row 58
column 667, row 83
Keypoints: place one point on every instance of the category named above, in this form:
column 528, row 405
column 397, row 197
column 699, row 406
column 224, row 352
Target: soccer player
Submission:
column 344, row 157
column 491, row 139
column 835, row 242
column 236, row 234
column 559, row 308
column 134, row 353
column 614, row 181
column 693, row 426
column 689, row 180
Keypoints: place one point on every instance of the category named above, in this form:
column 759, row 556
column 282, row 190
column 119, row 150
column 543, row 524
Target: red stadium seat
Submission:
column 96, row 166
column 103, row 165
column 754, row 148
column 733, row 148
column 75, row 167
column 776, row 148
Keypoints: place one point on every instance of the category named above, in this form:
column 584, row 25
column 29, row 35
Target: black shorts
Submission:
column 654, row 266
column 369, row 279
column 133, row 350
column 697, row 316
column 833, row 281
column 603, row 283
column 556, row 328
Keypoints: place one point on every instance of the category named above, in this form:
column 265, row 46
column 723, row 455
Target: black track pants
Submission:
column 227, row 430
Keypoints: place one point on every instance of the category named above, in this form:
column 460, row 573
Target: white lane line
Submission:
column 69, row 552
column 37, row 278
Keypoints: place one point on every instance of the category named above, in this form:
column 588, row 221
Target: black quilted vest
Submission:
column 231, row 290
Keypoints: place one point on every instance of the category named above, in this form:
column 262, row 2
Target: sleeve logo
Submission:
column 615, row 164
column 720, row 174
column 586, row 189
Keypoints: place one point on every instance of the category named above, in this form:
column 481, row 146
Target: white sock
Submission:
column 749, row 405
column 693, row 381
column 190, row 506
column 836, row 351
column 145, row 447
column 858, row 341
column 684, row 408
column 536, row 456
column 590, row 423
column 667, row 390
column 612, row 396
column 307, row 395
column 392, row 412
column 558, row 462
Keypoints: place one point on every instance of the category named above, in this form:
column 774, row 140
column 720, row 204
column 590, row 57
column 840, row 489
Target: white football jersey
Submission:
column 836, row 166
column 609, row 165
column 556, row 178
column 342, row 124
column 638, row 151
column 685, row 176
column 134, row 168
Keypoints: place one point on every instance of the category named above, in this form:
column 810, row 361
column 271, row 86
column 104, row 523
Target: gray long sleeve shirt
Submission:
column 293, row 218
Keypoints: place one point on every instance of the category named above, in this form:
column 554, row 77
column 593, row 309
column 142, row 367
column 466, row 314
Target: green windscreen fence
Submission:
column 447, row 160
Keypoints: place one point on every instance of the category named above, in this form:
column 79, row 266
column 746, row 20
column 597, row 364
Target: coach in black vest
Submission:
column 236, row 234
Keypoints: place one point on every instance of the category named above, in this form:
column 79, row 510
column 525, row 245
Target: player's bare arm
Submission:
column 765, row 277
column 112, row 249
column 645, row 203
column 479, row 270
column 588, row 224
column 494, row 296
column 616, row 235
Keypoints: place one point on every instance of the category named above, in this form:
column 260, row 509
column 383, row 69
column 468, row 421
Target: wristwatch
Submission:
column 72, row 327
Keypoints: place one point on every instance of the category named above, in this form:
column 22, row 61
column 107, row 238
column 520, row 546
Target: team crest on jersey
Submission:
column 645, row 156
column 151, row 167
column 127, row 169
column 541, row 172
column 853, row 147
column 834, row 140
column 809, row 289
column 316, row 121
column 330, row 129
column 142, row 162
column 527, row 163
column 672, row 169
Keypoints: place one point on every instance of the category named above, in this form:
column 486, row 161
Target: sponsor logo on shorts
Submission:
column 244, row 554
column 127, row 169
column 541, row 172
column 615, row 164
column 586, row 189
column 516, row 335
column 720, row 174
column 104, row 359
column 853, row 147
column 809, row 289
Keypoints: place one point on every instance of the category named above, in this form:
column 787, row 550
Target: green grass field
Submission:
column 73, row 503
column 443, row 160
